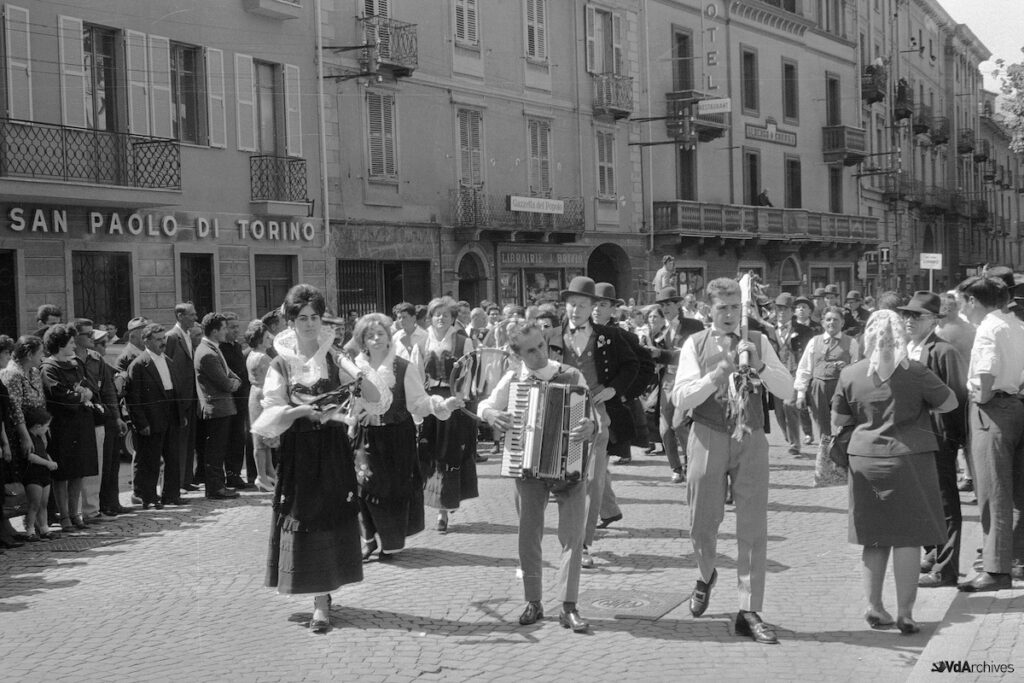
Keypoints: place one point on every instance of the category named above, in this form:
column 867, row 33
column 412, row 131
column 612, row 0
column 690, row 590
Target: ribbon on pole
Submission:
column 744, row 382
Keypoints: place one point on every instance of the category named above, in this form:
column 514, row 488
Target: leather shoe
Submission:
column 586, row 561
column 189, row 487
column 622, row 461
column 984, row 582
column 936, row 580
column 109, row 512
column 678, row 477
column 701, row 595
column 749, row 624
column 570, row 618
column 532, row 613
column 223, row 494
column 608, row 521
column 175, row 501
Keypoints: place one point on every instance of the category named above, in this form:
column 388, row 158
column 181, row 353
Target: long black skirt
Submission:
column 391, row 498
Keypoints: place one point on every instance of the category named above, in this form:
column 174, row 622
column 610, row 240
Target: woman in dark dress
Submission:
column 73, row 429
column 390, row 487
column 314, row 543
column 447, row 449
column 895, row 502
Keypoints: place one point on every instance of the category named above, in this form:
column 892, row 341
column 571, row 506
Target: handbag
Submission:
column 837, row 449
column 15, row 502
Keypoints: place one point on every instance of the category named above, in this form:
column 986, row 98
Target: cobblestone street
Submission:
column 177, row 595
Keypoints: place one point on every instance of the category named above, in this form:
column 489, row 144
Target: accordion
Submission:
column 537, row 444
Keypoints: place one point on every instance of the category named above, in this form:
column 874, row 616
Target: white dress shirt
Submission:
column 816, row 347
column 160, row 361
column 998, row 351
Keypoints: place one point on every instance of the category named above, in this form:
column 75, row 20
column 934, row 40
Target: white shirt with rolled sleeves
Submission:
column 998, row 351
column 692, row 388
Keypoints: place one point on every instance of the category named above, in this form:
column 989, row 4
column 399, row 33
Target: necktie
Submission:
column 574, row 330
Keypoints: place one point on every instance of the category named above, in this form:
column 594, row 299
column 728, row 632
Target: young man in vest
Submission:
column 701, row 388
column 527, row 343
column 793, row 338
column 609, row 367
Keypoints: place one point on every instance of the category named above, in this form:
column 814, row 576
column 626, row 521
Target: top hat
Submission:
column 832, row 289
column 802, row 300
column 853, row 294
column 923, row 301
column 606, row 292
column 668, row 295
column 819, row 292
column 137, row 323
column 581, row 285
column 784, row 299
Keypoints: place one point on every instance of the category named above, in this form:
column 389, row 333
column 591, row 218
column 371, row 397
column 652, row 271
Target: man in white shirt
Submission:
column 701, row 388
column 410, row 339
column 665, row 275
column 997, row 426
column 526, row 341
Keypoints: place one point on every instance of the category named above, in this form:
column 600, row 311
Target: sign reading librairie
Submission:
column 931, row 261
column 535, row 204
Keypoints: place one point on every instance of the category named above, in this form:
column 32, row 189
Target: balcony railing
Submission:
column 397, row 46
column 937, row 199
column 904, row 187
column 277, row 179
column 939, row 130
column 686, row 124
column 845, row 144
column 613, row 95
column 46, row 151
column 699, row 218
column 982, row 150
column 873, row 83
column 472, row 207
column 965, row 142
column 904, row 105
column 922, row 119
column 988, row 169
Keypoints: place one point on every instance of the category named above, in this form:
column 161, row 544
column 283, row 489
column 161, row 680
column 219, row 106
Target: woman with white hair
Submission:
column 894, row 488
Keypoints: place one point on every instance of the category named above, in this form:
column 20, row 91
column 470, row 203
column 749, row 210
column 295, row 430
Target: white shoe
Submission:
column 587, row 562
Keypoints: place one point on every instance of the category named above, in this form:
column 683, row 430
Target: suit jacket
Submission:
column 944, row 360
column 149, row 404
column 792, row 348
column 179, row 359
column 854, row 321
column 669, row 357
column 236, row 363
column 103, row 376
column 615, row 362
column 214, row 380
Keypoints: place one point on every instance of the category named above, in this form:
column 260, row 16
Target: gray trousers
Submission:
column 598, row 472
column 531, row 501
column 674, row 439
column 997, row 450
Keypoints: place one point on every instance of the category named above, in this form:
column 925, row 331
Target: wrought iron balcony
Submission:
column 873, row 84
column 940, row 130
column 904, row 105
column 724, row 220
column 988, row 170
column 982, row 150
column 277, row 179
column 922, row 123
column 937, row 199
column 472, row 207
column 45, row 151
column 845, row 144
column 903, row 187
column 686, row 124
column 396, row 41
column 965, row 142
column 613, row 95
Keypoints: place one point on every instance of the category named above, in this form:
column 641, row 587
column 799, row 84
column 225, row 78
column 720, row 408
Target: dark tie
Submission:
column 574, row 330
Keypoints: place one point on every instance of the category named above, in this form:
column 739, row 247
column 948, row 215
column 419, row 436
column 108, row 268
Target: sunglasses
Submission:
column 915, row 315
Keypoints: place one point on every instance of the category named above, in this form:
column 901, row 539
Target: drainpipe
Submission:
column 324, row 183
column 579, row 111
column 647, row 206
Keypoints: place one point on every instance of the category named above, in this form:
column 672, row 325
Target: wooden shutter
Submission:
column 591, row 28
column 245, row 102
column 618, row 64
column 72, row 71
column 376, row 8
column 293, row 111
column 540, row 160
column 465, row 21
column 215, row 106
column 605, row 164
column 536, row 39
column 470, row 152
column 161, row 102
column 19, row 63
column 381, row 134
column 137, row 66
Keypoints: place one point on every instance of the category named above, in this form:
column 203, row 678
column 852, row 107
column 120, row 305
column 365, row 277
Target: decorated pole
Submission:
column 744, row 382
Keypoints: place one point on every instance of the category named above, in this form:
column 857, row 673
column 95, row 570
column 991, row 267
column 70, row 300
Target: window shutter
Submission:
column 470, row 153
column 465, row 21
column 245, row 102
column 591, row 23
column 536, row 46
column 161, row 102
column 544, row 138
column 293, row 111
column 19, row 63
column 388, row 127
column 72, row 71
column 216, row 111
column 137, row 67
column 381, row 119
column 618, row 65
column 540, row 33
column 376, row 8
column 471, row 22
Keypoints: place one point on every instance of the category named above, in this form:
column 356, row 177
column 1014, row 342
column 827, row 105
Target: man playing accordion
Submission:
column 527, row 342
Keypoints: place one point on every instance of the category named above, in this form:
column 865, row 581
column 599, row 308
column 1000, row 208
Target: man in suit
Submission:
column 215, row 383
column 155, row 410
column 792, row 340
column 238, row 432
column 527, row 342
column 678, row 329
column 609, row 367
column 134, row 346
column 855, row 316
column 941, row 564
column 180, row 354
column 114, row 429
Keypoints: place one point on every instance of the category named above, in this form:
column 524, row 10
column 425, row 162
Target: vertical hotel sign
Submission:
column 712, row 63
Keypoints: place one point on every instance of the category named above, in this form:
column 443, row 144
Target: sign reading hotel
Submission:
column 771, row 133
column 535, row 204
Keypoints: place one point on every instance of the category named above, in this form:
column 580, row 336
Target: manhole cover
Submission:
column 620, row 604
column 73, row 545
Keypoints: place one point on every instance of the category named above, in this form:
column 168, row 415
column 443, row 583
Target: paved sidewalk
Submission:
column 177, row 594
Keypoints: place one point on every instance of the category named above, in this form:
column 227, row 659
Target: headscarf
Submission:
column 884, row 332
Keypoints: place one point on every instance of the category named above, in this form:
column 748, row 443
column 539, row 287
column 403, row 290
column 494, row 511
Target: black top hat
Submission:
column 923, row 301
column 606, row 292
column 667, row 295
column 581, row 285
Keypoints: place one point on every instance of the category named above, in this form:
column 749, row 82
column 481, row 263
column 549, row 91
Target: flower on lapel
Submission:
column 602, row 341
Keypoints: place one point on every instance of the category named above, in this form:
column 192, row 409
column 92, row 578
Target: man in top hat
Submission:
column 792, row 337
column 941, row 564
column 678, row 329
column 831, row 297
column 855, row 316
column 609, row 367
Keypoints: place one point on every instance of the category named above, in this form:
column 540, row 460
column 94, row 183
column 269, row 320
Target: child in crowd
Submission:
column 37, row 474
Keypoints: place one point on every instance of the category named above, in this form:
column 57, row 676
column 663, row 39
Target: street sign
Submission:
column 720, row 105
column 931, row 261
column 885, row 255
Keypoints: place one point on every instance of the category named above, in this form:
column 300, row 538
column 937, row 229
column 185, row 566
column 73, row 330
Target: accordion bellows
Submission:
column 537, row 445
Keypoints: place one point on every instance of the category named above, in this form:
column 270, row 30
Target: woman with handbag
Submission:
column 895, row 502
column 390, row 487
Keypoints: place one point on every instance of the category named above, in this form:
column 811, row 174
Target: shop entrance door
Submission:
column 8, row 294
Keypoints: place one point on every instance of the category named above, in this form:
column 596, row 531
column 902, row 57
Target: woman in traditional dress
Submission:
column 817, row 376
column 314, row 543
column 447, row 448
column 390, row 487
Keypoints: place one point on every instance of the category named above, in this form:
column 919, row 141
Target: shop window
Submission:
column 8, row 294
column 274, row 277
column 366, row 286
column 196, row 277
column 102, row 284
